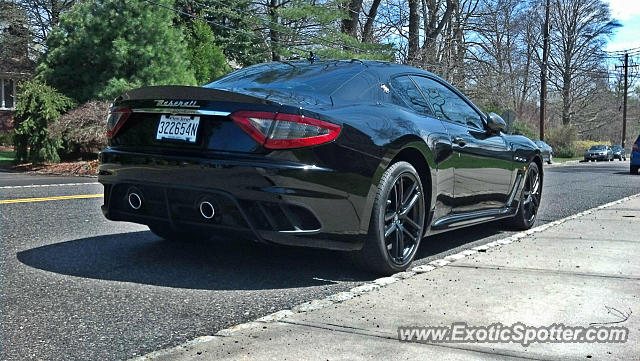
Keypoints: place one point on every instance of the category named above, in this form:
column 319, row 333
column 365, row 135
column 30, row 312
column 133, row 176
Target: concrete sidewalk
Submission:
column 566, row 272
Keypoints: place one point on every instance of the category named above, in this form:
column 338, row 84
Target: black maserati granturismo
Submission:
column 363, row 156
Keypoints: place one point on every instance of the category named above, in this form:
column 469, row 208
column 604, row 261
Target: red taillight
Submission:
column 282, row 131
column 116, row 118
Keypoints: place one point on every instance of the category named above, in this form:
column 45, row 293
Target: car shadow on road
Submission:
column 218, row 264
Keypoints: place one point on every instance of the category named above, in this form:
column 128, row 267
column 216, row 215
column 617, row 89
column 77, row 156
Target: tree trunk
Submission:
column 414, row 31
column 350, row 24
column 273, row 33
column 566, row 98
column 367, row 33
column 432, row 26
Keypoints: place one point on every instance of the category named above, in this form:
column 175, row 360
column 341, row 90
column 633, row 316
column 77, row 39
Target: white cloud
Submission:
column 624, row 9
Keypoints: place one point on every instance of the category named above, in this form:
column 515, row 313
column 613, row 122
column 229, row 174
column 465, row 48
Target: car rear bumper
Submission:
column 265, row 200
column 595, row 157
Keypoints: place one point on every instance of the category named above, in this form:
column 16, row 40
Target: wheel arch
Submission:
column 538, row 160
column 416, row 152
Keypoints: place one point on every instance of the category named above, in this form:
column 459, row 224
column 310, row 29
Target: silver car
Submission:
column 545, row 150
column 619, row 153
column 599, row 152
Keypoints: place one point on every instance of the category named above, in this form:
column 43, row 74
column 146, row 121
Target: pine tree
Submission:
column 102, row 48
column 207, row 60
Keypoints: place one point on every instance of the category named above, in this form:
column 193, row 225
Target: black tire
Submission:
column 165, row 232
column 529, row 200
column 633, row 169
column 397, row 222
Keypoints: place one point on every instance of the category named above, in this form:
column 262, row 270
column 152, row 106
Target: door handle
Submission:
column 459, row 141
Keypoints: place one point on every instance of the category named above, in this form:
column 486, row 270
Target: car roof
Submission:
column 320, row 80
column 384, row 69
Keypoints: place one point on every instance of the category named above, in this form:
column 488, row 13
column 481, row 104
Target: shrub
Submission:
column 38, row 105
column 522, row 128
column 561, row 137
column 6, row 139
column 581, row 146
column 564, row 152
column 82, row 130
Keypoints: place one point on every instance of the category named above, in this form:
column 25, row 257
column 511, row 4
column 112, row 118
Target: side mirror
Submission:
column 495, row 123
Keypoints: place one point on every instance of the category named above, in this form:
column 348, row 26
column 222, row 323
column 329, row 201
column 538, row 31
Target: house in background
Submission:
column 17, row 60
column 8, row 88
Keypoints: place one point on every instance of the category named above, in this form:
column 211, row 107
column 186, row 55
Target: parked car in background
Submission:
column 599, row 152
column 635, row 157
column 351, row 155
column 545, row 150
column 619, row 152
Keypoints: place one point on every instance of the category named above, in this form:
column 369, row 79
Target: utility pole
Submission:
column 624, row 102
column 625, row 91
column 543, row 72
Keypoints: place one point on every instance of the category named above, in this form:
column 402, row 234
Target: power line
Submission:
column 624, row 51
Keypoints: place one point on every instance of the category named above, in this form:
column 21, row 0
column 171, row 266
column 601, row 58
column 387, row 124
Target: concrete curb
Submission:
column 375, row 285
column 567, row 163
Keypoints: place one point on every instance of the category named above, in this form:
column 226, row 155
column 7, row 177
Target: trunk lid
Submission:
column 162, row 115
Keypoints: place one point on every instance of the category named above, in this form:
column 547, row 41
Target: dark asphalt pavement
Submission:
column 75, row 286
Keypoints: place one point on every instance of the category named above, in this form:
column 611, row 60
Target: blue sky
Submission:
column 628, row 13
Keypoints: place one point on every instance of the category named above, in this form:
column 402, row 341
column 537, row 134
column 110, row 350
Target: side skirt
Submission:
column 472, row 218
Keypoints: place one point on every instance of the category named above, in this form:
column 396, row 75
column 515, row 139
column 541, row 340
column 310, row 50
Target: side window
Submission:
column 448, row 105
column 405, row 93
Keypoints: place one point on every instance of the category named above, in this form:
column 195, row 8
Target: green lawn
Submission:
column 6, row 158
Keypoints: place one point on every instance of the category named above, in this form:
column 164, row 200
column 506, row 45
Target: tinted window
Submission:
column 598, row 147
column 448, row 105
column 323, row 78
column 364, row 87
column 406, row 93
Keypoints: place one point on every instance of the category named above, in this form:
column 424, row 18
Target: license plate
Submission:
column 178, row 127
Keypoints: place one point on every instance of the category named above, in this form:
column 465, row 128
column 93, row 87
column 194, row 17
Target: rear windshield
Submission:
column 320, row 78
column 598, row 147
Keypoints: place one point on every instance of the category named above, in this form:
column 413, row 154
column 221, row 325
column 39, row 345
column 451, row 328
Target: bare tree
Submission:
column 502, row 55
column 436, row 14
column 579, row 32
column 367, row 32
column 44, row 15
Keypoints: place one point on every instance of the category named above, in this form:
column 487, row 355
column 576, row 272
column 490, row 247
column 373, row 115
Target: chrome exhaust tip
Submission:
column 135, row 201
column 206, row 210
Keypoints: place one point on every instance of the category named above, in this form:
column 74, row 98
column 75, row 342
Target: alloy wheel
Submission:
column 403, row 218
column 531, row 194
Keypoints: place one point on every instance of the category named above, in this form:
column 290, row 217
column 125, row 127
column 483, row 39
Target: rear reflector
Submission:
column 116, row 118
column 282, row 131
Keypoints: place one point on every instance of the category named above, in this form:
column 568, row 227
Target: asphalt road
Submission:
column 75, row 286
